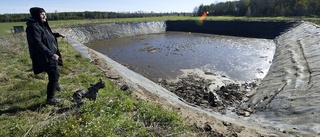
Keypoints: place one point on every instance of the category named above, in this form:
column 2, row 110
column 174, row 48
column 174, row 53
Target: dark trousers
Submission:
column 53, row 83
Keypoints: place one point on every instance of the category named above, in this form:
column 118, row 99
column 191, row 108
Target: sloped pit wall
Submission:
column 290, row 92
column 252, row 29
column 95, row 32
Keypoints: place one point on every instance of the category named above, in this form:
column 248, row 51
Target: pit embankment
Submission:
column 287, row 101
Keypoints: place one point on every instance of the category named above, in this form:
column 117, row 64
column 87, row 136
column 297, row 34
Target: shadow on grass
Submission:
column 67, row 109
column 13, row 110
column 37, row 108
column 18, row 100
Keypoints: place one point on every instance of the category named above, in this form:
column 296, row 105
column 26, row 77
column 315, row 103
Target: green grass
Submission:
column 7, row 28
column 115, row 113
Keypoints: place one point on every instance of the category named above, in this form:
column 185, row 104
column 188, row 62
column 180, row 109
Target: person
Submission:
column 44, row 52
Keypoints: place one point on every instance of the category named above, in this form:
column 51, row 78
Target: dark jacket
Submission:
column 42, row 43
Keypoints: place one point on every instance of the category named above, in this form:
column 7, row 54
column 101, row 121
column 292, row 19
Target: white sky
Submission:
column 23, row 6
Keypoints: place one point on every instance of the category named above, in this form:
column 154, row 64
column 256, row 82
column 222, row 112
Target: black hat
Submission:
column 35, row 13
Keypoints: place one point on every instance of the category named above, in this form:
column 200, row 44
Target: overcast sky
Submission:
column 23, row 6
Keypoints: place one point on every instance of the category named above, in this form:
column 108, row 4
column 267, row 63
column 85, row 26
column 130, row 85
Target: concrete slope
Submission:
column 290, row 92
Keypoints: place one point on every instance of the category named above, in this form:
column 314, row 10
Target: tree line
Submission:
column 269, row 8
column 88, row 15
column 255, row 8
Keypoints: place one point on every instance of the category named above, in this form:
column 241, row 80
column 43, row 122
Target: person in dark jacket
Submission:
column 44, row 52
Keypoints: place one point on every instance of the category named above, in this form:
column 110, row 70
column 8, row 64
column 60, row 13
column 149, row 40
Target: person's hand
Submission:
column 61, row 35
column 55, row 57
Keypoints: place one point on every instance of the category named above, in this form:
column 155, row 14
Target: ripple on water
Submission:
column 240, row 59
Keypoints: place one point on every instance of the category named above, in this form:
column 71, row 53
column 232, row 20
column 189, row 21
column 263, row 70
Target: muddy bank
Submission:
column 210, row 91
column 286, row 103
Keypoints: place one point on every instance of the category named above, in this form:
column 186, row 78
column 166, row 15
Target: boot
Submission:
column 53, row 101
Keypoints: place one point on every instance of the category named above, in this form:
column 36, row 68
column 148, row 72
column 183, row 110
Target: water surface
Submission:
column 163, row 55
